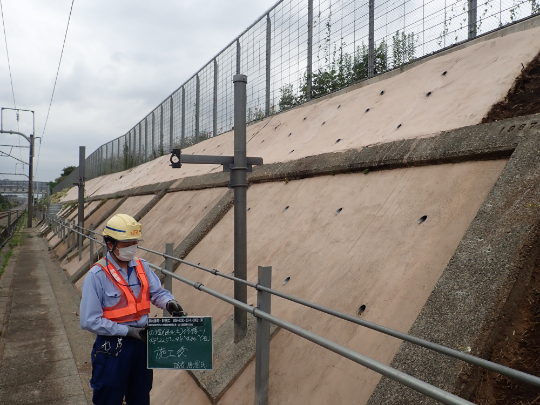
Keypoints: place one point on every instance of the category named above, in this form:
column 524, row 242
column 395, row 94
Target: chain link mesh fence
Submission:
column 300, row 50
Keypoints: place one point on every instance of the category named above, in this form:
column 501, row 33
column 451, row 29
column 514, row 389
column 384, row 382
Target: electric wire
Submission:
column 7, row 53
column 54, row 87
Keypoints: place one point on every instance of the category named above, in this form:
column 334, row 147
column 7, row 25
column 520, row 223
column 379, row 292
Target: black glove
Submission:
column 134, row 332
column 175, row 309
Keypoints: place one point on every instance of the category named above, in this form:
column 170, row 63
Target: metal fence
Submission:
column 68, row 233
column 297, row 51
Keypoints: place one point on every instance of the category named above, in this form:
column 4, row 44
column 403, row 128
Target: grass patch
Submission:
column 16, row 240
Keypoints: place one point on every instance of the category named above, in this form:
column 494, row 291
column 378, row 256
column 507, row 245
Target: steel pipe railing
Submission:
column 468, row 358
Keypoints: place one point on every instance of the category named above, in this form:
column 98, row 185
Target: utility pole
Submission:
column 80, row 184
column 30, row 140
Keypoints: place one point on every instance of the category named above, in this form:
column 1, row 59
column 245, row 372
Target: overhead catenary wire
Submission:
column 54, row 86
column 7, row 53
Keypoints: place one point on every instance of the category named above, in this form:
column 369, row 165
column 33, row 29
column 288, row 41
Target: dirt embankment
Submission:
column 518, row 347
column 522, row 99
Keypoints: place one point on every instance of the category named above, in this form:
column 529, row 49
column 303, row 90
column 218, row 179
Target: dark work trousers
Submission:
column 119, row 370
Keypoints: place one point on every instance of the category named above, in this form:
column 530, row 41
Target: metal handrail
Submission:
column 477, row 361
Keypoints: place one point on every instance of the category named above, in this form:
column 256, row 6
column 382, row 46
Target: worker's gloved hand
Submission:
column 134, row 332
column 175, row 309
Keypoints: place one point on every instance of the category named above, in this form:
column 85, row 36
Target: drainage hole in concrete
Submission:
column 339, row 210
column 367, row 110
column 232, row 274
column 339, row 106
column 324, row 122
column 291, row 151
column 361, row 310
column 286, row 208
column 444, row 73
column 248, row 209
column 275, row 128
column 262, row 141
column 381, row 93
column 189, row 207
column 399, row 126
column 428, row 94
column 286, row 280
column 305, row 118
column 422, row 219
column 205, row 207
column 338, row 140
column 290, row 134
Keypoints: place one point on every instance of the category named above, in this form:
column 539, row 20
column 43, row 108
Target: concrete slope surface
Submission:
column 344, row 241
column 462, row 86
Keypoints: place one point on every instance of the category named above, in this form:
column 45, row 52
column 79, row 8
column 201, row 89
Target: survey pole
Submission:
column 240, row 215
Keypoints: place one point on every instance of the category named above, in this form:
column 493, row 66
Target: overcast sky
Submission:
column 121, row 59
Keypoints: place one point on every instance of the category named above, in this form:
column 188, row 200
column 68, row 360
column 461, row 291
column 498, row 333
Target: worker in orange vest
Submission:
column 116, row 296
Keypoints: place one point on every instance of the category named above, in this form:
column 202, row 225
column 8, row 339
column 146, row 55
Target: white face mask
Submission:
column 128, row 253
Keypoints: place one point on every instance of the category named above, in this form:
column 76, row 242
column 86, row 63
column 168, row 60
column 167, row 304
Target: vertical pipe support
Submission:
column 145, row 159
column 239, row 182
column 140, row 159
column 472, row 18
column 371, row 40
column 91, row 243
column 268, row 59
column 183, row 134
column 82, row 176
column 152, row 139
column 171, row 137
column 167, row 281
column 161, row 152
column 309, row 71
column 197, row 106
column 238, row 56
column 214, row 111
column 262, row 345
column 30, row 183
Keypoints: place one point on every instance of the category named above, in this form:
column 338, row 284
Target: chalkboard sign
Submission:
column 180, row 343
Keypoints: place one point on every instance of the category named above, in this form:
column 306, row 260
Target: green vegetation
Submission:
column 5, row 204
column 341, row 69
column 66, row 171
column 16, row 240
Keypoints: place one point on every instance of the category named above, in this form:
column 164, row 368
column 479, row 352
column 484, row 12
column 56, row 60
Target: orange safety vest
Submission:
column 128, row 308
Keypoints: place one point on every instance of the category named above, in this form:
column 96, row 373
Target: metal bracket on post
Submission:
column 262, row 346
column 167, row 282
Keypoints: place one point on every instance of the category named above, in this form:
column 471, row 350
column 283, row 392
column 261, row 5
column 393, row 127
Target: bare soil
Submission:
column 522, row 99
column 518, row 347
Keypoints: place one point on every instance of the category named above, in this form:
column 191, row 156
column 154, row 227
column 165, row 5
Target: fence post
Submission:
column 139, row 158
column 81, row 224
column 240, row 216
column 371, row 40
column 152, row 155
column 197, row 106
column 309, row 50
column 183, row 134
column 472, row 19
column 145, row 139
column 74, row 234
column 69, row 234
column 9, row 221
column 171, row 137
column 118, row 155
column 214, row 118
column 268, row 57
column 167, row 282
column 262, row 345
column 161, row 131
column 238, row 56
column 80, row 214
column 91, row 243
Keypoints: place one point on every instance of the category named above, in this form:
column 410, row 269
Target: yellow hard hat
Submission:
column 124, row 228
